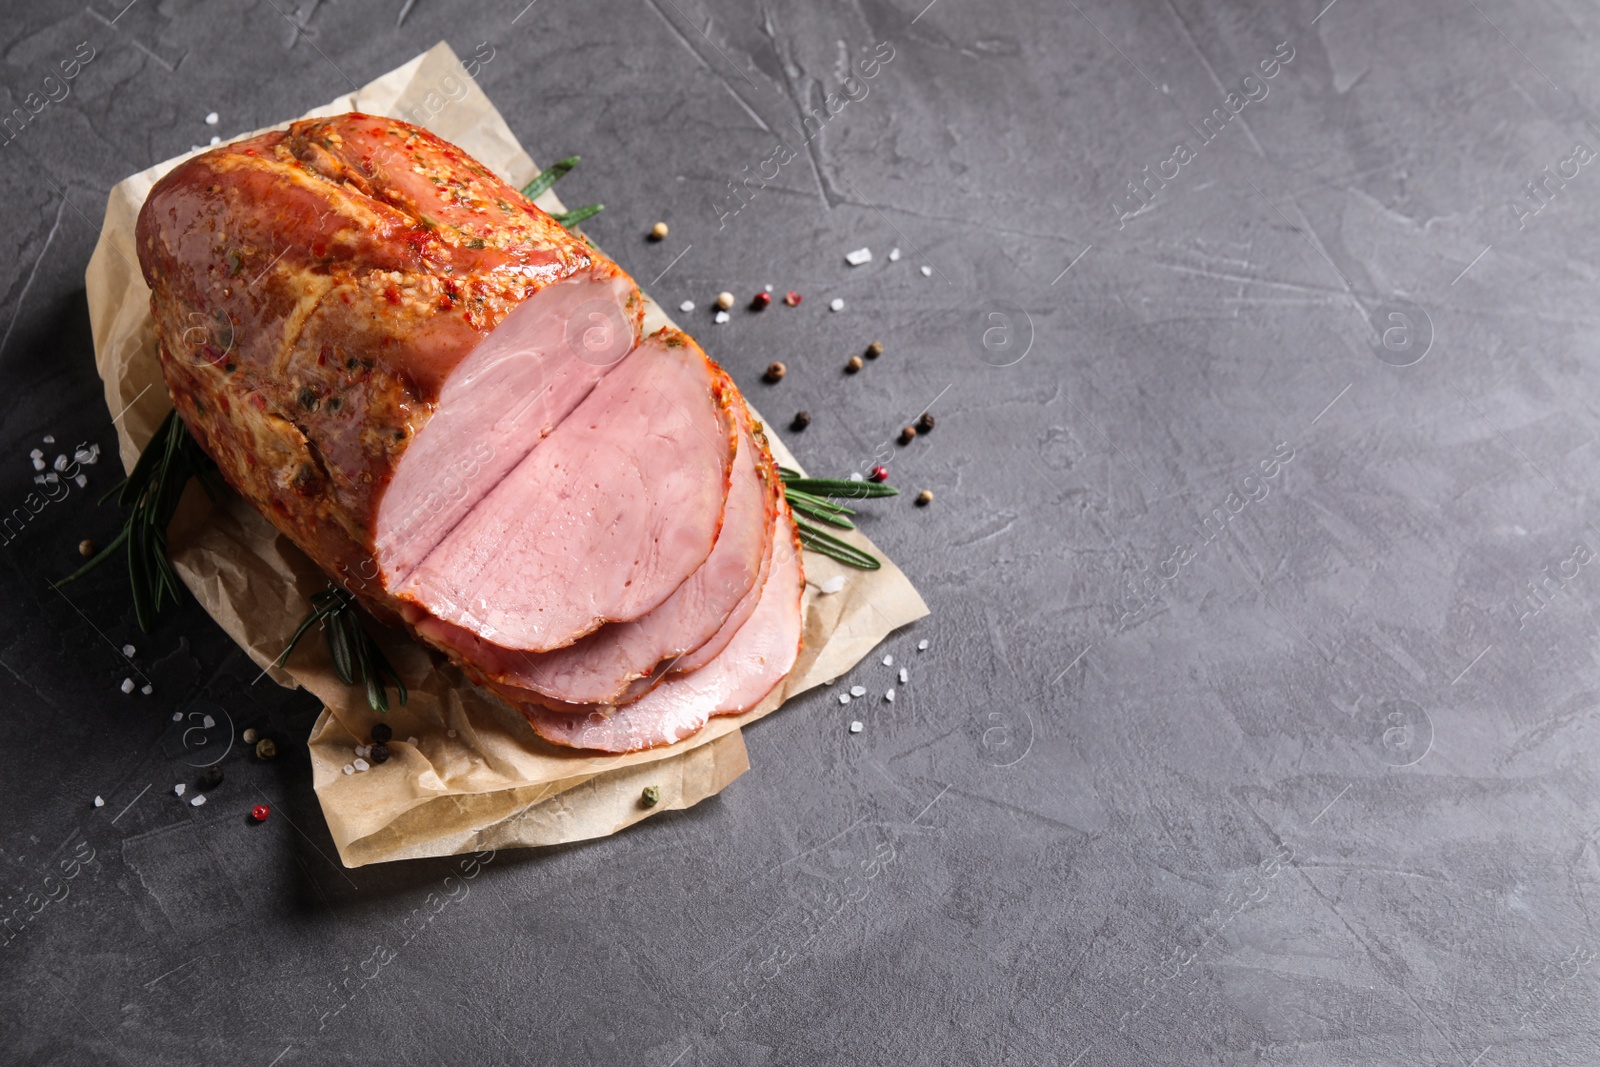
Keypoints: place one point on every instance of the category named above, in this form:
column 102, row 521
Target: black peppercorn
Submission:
column 379, row 753
column 802, row 419
column 925, row 423
column 381, row 733
column 211, row 777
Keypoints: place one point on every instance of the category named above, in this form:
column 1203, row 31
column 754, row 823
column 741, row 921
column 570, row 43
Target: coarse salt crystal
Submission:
column 363, row 751
column 38, row 479
column 858, row 257
column 360, row 764
column 127, row 650
column 60, row 463
column 99, row 801
column 38, row 464
column 855, row 726
column 720, row 318
column 894, row 255
column 832, row 585
column 844, row 698
column 905, row 676
column 127, row 685
column 348, row 769
column 927, row 271
column 216, row 140
column 687, row 306
column 768, row 288
column 147, row 690
column 858, row 690
column 922, row 646
column 836, row 304
column 49, row 439
column 211, row 119
column 177, row 716
column 52, row 478
column 36, row 454
column 411, row 741
column 208, row 722
column 180, row 789
column 89, row 456
column 199, row 799
column 449, row 733
column 82, row 480
column 856, row 476
column 889, row 696
column 888, row 661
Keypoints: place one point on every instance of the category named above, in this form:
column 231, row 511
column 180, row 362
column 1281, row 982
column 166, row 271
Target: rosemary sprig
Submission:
column 547, row 178
column 355, row 654
column 153, row 488
column 810, row 497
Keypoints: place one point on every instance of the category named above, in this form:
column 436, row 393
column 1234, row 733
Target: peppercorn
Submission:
column 381, row 733
column 85, row 547
column 792, row 298
column 658, row 232
column 260, row 812
column 879, row 474
column 211, row 777
column 650, row 797
column 249, row 736
column 802, row 419
column 759, row 301
column 379, row 753
column 874, row 350
column 853, row 366
column 925, row 422
column 724, row 301
column 924, row 498
column 265, row 749
column 775, row 371
column 908, row 434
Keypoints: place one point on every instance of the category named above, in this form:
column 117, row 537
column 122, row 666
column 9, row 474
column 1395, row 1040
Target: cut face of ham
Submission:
column 502, row 400
column 597, row 669
column 760, row 655
column 602, row 521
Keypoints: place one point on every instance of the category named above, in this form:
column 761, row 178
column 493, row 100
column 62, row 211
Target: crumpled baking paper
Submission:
column 466, row 772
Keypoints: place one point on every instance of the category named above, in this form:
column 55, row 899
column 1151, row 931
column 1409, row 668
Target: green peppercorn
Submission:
column 651, row 796
column 265, row 749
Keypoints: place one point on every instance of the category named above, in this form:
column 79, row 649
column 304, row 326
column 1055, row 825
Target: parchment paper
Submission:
column 476, row 776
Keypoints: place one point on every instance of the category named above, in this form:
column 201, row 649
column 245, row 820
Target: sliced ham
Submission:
column 760, row 656
column 502, row 400
column 597, row 669
column 602, row 521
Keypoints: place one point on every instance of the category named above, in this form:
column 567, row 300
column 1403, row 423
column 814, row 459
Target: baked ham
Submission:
column 442, row 396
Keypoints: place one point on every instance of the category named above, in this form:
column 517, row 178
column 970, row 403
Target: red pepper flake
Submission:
column 319, row 249
column 260, row 812
column 792, row 298
column 879, row 474
column 322, row 356
column 760, row 301
column 392, row 295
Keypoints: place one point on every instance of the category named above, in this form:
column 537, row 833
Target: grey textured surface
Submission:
column 1313, row 785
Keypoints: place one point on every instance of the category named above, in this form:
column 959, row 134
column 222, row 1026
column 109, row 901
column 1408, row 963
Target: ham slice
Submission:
column 758, row 657
column 597, row 669
column 528, row 375
column 602, row 521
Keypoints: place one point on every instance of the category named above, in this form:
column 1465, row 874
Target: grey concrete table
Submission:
column 1257, row 722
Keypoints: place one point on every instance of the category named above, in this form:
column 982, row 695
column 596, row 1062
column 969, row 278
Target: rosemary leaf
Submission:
column 357, row 658
column 841, row 487
column 571, row 218
column 818, row 502
column 832, row 518
column 548, row 177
